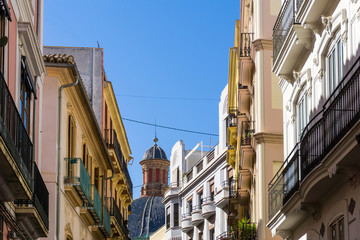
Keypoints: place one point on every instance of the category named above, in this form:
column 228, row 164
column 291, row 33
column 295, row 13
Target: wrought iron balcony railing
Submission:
column 111, row 141
column 106, row 223
column 283, row 24
column 115, row 212
column 77, row 176
column 96, row 209
column 245, row 44
column 339, row 114
column 247, row 131
column 13, row 130
column 40, row 198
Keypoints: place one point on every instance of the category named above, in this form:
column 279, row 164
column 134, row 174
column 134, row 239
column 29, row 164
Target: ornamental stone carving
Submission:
column 344, row 26
column 284, row 234
column 326, row 21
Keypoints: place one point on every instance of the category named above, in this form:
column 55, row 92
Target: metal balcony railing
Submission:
column 40, row 197
column 247, row 132
column 111, row 141
column 245, row 44
column 283, row 24
column 77, row 176
column 339, row 114
column 115, row 212
column 14, row 133
column 106, row 223
column 96, row 205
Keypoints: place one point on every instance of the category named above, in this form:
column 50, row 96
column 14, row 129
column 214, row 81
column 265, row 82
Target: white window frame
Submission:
column 302, row 112
column 334, row 67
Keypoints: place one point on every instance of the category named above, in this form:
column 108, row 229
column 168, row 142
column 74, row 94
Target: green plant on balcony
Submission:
column 245, row 230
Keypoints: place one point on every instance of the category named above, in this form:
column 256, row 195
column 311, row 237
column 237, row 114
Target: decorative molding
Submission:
column 313, row 209
column 68, row 232
column 358, row 14
column 288, row 106
column 344, row 26
column 313, row 26
column 293, row 118
column 284, row 234
column 355, row 180
column 316, row 61
column 262, row 137
column 262, row 44
column 332, row 171
column 304, row 36
column 287, row 77
column 297, row 77
column 309, row 81
column 326, row 21
column 31, row 48
column 354, row 1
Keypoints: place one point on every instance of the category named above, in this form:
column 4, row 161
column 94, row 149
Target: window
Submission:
column 27, row 86
column 302, row 113
column 71, row 137
column 176, row 215
column 157, row 175
column 164, row 176
column 189, row 205
column 200, row 197
column 150, row 176
column 212, row 234
column 212, row 189
column 337, row 229
column 334, row 66
column 168, row 217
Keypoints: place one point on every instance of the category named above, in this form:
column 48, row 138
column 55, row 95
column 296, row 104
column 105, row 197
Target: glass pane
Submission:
column 341, row 229
column 333, row 232
column 339, row 61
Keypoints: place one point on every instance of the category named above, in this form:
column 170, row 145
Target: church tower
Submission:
column 155, row 167
column 148, row 211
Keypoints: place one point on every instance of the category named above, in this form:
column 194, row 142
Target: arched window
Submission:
column 302, row 111
column 334, row 65
column 337, row 229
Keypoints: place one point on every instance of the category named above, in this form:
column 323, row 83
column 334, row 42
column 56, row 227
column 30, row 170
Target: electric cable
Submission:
column 171, row 128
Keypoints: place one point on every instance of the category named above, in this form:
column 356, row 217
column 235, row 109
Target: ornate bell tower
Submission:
column 155, row 168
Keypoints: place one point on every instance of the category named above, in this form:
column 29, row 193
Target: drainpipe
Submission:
column 58, row 157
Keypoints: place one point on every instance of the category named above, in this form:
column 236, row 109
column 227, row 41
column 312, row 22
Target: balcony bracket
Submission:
column 284, row 234
column 313, row 27
column 304, row 36
column 312, row 209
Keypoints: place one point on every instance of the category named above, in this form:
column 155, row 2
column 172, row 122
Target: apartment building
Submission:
column 112, row 182
column 24, row 197
column 315, row 194
column 254, row 124
column 201, row 187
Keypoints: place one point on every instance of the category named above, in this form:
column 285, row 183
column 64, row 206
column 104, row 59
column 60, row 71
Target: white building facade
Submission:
column 197, row 201
column 316, row 194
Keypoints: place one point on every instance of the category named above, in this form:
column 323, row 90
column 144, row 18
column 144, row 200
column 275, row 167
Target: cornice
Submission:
column 263, row 137
column 117, row 120
column 262, row 44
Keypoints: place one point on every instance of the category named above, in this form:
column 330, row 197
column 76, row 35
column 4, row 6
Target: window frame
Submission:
column 302, row 112
column 334, row 66
column 336, row 223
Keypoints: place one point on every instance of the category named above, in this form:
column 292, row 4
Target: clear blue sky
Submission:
column 156, row 50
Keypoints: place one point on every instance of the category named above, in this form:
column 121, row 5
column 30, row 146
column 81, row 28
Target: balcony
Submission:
column 208, row 207
column 77, row 182
column 226, row 236
column 246, row 64
column 112, row 142
column 196, row 217
column 16, row 155
column 186, row 224
column 223, row 195
column 117, row 221
column 106, row 227
column 34, row 213
column 332, row 130
column 292, row 41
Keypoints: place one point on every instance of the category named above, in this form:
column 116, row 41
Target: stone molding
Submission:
column 262, row 137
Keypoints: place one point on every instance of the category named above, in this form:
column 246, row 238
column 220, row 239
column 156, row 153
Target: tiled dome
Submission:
column 147, row 216
column 155, row 152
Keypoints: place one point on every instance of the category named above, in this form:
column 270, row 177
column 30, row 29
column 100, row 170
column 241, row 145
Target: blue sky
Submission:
column 167, row 60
